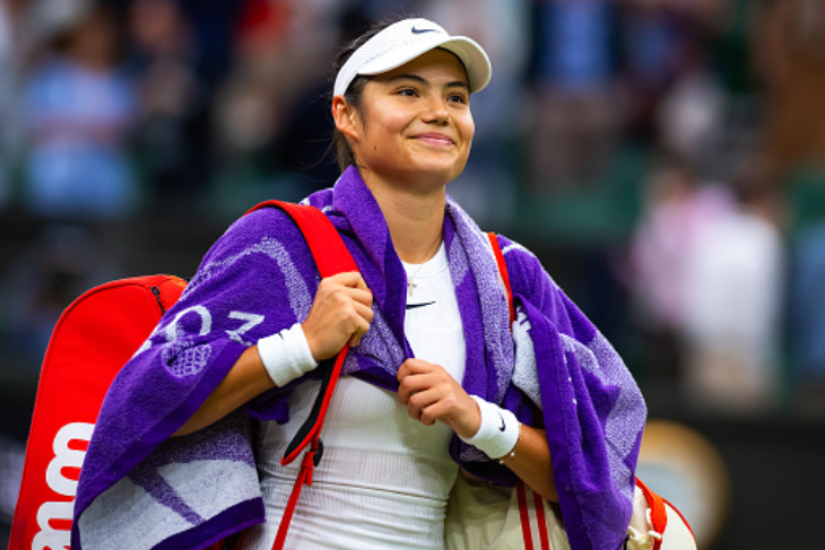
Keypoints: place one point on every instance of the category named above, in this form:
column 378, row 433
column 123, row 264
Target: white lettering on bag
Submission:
column 49, row 537
column 64, row 457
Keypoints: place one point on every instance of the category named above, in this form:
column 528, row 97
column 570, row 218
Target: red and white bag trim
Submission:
column 664, row 526
column 533, row 519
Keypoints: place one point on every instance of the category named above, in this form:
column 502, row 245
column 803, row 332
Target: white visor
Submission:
column 404, row 41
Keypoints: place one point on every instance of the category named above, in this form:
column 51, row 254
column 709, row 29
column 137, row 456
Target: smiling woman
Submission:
column 410, row 138
column 437, row 379
column 421, row 126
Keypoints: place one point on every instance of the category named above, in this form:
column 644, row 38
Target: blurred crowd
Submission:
column 680, row 143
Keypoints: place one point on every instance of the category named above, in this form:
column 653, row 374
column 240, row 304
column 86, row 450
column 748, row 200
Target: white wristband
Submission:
column 286, row 355
column 499, row 430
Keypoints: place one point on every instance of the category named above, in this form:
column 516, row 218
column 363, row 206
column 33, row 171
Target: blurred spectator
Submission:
column 806, row 327
column 689, row 118
column 272, row 116
column 663, row 42
column 249, row 106
column 162, row 61
column 732, row 48
column 678, row 208
column 733, row 300
column 11, row 58
column 12, row 453
column 301, row 145
column 807, row 323
column 7, row 95
column 376, row 10
column 213, row 24
column 79, row 110
column 575, row 101
column 708, row 278
column 59, row 265
column 789, row 48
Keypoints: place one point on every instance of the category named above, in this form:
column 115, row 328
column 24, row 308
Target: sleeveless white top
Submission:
column 384, row 478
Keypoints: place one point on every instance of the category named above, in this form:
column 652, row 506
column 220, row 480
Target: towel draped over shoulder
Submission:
column 141, row 489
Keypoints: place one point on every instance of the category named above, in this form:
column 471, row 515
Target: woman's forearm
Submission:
column 499, row 434
column 530, row 461
column 341, row 311
column 246, row 379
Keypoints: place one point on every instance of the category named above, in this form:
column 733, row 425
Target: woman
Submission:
column 432, row 355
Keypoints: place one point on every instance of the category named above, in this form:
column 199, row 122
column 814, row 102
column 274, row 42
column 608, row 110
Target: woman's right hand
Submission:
column 341, row 313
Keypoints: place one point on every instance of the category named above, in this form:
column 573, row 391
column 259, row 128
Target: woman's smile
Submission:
column 434, row 139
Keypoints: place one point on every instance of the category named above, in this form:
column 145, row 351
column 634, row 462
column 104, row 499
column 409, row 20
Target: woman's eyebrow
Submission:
column 420, row 80
column 414, row 77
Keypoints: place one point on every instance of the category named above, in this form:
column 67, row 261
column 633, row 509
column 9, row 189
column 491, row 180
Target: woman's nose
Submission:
column 437, row 110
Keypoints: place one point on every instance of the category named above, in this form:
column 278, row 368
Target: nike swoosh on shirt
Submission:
column 502, row 427
column 413, row 306
column 422, row 31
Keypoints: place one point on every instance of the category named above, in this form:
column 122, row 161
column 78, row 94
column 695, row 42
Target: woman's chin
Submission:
column 420, row 174
column 442, row 168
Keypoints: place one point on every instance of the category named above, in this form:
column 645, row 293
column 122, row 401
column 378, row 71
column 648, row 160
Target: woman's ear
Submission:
column 345, row 117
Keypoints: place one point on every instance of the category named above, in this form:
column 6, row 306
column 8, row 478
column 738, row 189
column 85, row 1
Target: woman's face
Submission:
column 414, row 126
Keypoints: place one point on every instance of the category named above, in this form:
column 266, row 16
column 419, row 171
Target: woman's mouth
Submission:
column 435, row 139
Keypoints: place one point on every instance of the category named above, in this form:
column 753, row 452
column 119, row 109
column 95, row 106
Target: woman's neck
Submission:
column 415, row 218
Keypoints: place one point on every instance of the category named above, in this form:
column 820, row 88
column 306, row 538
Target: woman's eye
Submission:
column 458, row 98
column 409, row 92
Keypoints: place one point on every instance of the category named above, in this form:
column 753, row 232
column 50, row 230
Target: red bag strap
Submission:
column 331, row 257
column 537, row 502
column 502, row 271
column 328, row 249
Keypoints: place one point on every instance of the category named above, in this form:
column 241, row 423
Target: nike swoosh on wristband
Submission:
column 422, row 31
column 502, row 427
column 413, row 306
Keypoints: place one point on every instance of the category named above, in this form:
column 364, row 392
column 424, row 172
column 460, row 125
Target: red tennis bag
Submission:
column 94, row 337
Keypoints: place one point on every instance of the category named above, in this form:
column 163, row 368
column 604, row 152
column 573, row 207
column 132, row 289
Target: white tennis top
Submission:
column 384, row 478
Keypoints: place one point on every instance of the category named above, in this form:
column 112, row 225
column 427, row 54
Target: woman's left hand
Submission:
column 431, row 394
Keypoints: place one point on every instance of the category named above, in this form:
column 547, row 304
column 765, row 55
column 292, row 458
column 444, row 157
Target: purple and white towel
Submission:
column 139, row 489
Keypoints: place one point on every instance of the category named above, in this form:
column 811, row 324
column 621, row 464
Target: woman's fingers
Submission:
column 431, row 394
column 341, row 313
column 363, row 297
column 426, row 406
column 412, row 384
column 411, row 377
column 362, row 323
column 351, row 279
column 414, row 366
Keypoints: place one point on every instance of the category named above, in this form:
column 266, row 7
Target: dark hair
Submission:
column 353, row 94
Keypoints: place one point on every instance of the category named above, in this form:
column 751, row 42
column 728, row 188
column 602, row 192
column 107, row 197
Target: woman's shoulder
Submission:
column 515, row 251
column 522, row 264
column 264, row 227
column 528, row 277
